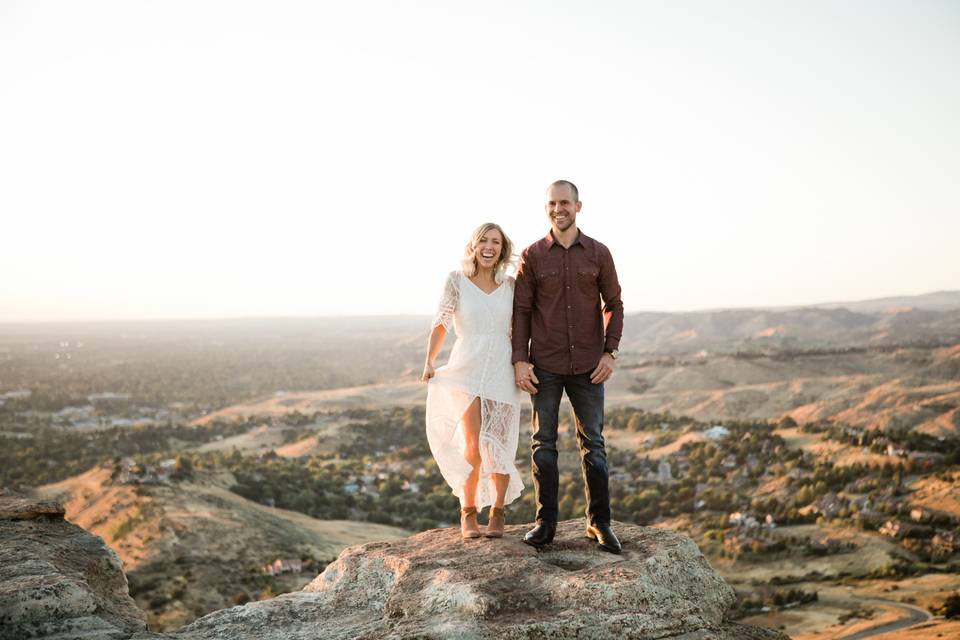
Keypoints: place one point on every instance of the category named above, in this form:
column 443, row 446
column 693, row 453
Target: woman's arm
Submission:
column 434, row 343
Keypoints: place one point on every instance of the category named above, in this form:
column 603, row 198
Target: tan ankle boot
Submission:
column 469, row 528
column 495, row 523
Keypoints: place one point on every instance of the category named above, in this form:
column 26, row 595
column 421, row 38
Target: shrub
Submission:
column 949, row 608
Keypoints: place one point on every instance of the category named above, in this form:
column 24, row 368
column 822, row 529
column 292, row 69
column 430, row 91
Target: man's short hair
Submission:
column 573, row 187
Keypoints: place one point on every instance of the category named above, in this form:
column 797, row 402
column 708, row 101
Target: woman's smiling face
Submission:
column 488, row 249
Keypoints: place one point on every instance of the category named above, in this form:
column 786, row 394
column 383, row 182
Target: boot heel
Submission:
column 591, row 534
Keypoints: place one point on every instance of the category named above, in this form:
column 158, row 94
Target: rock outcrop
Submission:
column 58, row 581
column 435, row 585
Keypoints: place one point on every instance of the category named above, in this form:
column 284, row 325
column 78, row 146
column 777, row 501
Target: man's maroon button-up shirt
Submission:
column 558, row 321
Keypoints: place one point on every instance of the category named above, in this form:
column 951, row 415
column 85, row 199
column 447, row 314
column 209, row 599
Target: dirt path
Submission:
column 915, row 615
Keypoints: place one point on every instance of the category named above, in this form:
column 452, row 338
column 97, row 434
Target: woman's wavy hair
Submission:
column 505, row 261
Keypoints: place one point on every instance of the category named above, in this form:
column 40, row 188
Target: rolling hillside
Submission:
column 192, row 547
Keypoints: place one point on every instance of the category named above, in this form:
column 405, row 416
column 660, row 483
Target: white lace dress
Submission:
column 479, row 366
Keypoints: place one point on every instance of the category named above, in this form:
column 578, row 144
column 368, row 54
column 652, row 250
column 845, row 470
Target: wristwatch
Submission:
column 613, row 353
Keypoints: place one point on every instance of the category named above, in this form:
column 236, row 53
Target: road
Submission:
column 915, row 615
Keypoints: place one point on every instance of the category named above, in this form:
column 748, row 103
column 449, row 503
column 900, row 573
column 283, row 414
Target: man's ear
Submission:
column 579, row 204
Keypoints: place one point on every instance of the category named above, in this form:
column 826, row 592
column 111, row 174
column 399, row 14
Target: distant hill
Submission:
column 903, row 388
column 392, row 394
column 792, row 329
column 936, row 301
column 192, row 547
column 932, row 318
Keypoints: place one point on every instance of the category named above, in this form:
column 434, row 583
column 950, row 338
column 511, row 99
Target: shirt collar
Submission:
column 551, row 241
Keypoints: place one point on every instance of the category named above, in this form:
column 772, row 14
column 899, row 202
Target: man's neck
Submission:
column 566, row 238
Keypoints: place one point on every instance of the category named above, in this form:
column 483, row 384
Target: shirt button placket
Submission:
column 566, row 281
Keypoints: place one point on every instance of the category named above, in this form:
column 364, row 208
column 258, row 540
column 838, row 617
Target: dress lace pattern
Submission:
column 479, row 367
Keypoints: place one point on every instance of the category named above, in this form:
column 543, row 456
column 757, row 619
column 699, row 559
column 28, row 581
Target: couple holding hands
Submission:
column 554, row 328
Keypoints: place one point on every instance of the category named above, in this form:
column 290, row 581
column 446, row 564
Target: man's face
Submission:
column 561, row 207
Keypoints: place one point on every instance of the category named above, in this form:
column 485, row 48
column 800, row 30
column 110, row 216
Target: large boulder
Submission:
column 57, row 580
column 435, row 585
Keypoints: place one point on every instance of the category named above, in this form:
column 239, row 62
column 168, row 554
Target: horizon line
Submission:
column 338, row 316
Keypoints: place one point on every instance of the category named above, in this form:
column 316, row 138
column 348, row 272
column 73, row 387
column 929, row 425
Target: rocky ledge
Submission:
column 57, row 580
column 431, row 585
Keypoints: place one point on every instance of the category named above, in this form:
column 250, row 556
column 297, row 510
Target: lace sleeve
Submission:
column 448, row 302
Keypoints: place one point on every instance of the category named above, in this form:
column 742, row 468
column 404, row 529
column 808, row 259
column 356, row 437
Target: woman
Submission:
column 473, row 406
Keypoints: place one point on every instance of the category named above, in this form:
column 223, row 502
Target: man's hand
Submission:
column 523, row 374
column 604, row 370
column 428, row 372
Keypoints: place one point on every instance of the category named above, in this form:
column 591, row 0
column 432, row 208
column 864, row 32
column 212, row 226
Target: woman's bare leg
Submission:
column 471, row 432
column 500, row 481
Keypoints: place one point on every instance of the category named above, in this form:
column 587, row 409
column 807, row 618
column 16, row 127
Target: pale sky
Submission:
column 219, row 159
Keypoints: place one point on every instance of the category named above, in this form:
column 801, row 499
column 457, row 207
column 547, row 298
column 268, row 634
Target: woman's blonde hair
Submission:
column 470, row 252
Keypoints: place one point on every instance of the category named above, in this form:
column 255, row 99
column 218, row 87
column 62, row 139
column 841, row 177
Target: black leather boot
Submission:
column 604, row 536
column 541, row 535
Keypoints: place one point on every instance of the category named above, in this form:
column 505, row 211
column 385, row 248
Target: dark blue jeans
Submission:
column 587, row 401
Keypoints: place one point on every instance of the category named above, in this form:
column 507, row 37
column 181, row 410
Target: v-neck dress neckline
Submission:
column 477, row 287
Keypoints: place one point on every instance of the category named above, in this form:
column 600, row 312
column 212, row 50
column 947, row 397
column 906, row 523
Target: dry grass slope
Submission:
column 194, row 547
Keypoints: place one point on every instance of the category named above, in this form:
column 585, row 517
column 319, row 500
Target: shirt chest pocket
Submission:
column 548, row 280
column 588, row 280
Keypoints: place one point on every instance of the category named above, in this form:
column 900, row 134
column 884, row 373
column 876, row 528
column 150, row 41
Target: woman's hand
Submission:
column 525, row 378
column 428, row 372
column 434, row 342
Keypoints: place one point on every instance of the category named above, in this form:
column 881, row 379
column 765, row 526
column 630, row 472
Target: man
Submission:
column 563, row 340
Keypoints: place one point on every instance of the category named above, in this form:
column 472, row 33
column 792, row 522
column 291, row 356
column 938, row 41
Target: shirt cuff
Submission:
column 611, row 344
column 520, row 355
